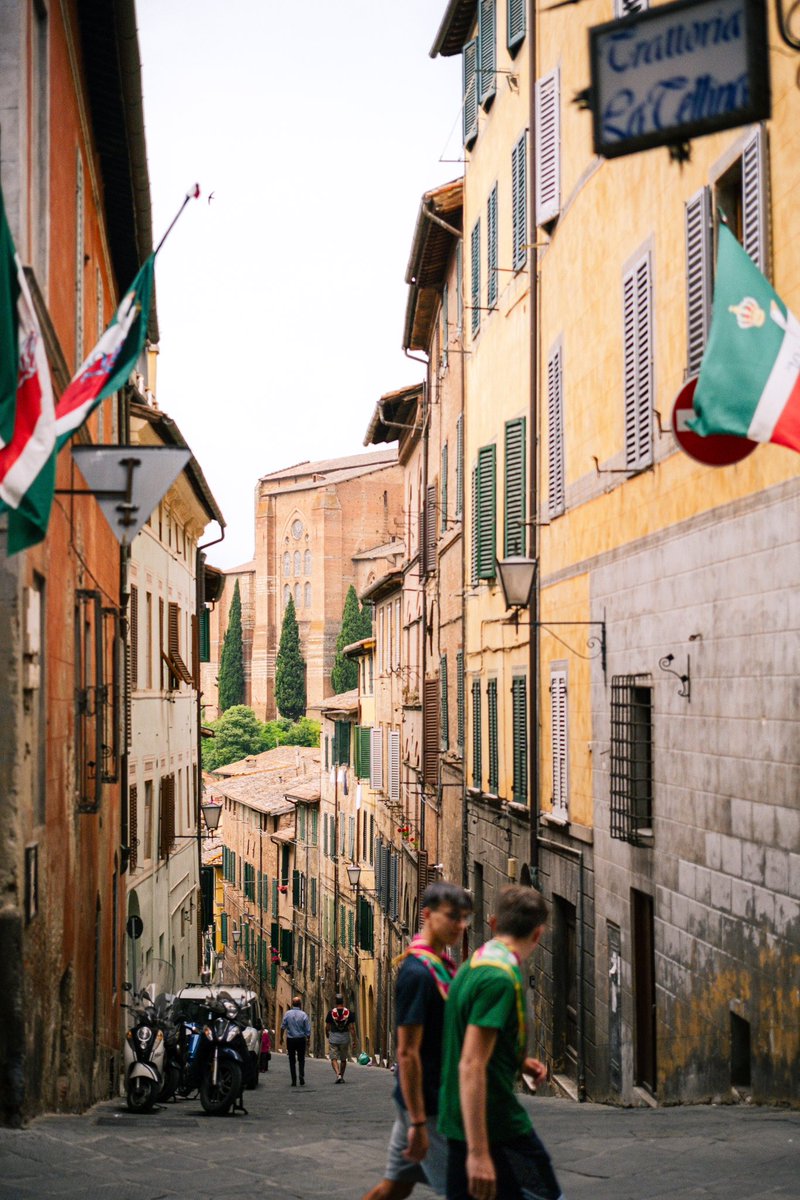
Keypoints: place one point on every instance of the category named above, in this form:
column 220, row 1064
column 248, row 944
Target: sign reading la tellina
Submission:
column 676, row 72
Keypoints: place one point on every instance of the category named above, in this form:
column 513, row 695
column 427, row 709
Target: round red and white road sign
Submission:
column 717, row 450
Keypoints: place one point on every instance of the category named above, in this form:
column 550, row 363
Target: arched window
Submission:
column 308, row 595
column 287, row 592
column 308, row 562
column 297, row 562
column 297, row 595
column 287, row 563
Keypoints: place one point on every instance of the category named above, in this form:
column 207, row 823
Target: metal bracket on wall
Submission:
column 597, row 641
column 685, row 690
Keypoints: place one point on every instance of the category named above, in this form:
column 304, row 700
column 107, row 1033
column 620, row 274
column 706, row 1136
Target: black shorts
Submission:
column 524, row 1170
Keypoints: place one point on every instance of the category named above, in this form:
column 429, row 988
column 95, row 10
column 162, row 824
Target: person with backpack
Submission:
column 340, row 1029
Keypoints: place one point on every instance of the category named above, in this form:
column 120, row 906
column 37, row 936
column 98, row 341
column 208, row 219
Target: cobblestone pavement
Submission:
column 329, row 1141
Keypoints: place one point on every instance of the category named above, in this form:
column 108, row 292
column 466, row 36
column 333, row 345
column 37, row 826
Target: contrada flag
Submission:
column 27, row 417
column 110, row 363
column 749, row 382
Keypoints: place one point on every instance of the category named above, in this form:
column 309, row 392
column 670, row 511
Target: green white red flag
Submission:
column 110, row 363
column 749, row 382
column 27, row 416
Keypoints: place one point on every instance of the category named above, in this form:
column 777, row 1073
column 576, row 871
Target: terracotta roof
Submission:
column 431, row 250
column 242, row 569
column 301, row 472
column 260, row 792
column 386, row 550
column 454, row 28
column 344, row 702
column 357, row 648
column 309, row 793
column 397, row 415
column 284, row 835
column 291, row 760
column 390, row 582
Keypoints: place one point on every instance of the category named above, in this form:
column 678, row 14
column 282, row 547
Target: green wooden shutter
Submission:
column 313, row 896
column 314, row 827
column 350, row 929
column 487, row 52
column 469, row 65
column 460, row 698
column 477, row 767
column 363, row 751
column 491, row 698
column 491, row 248
column 519, row 205
column 224, row 928
column 519, row 717
column 487, row 509
column 205, row 635
column 515, row 488
column 296, row 888
column 515, row 23
column 275, row 897
column 475, row 282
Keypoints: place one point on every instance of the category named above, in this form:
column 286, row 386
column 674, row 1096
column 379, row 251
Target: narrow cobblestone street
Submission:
column 329, row 1141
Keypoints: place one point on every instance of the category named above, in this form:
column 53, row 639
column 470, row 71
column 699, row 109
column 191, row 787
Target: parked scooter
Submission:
column 227, row 1057
column 144, row 1055
column 211, row 1051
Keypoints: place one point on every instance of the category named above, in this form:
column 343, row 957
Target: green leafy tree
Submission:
column 231, row 667
column 356, row 624
column 290, row 668
column 237, row 734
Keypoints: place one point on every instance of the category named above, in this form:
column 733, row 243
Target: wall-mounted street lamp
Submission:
column 517, row 575
column 211, row 815
column 237, row 934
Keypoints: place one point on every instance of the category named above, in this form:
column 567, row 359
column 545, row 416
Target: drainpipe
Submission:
column 557, row 848
column 533, row 485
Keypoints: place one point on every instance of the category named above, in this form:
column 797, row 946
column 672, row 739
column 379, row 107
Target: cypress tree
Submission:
column 231, row 666
column 344, row 676
column 290, row 669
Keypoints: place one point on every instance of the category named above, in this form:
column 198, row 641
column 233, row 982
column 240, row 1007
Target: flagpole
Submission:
column 191, row 195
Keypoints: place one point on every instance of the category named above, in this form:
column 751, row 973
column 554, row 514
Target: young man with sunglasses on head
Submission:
column 417, row 1151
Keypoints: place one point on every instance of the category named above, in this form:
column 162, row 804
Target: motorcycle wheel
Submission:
column 217, row 1099
column 171, row 1080
column 141, row 1094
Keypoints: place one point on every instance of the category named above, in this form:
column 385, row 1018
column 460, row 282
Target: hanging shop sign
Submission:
column 678, row 71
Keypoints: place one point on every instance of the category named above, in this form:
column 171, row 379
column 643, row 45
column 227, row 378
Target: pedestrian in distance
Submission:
column 417, row 1151
column 297, row 1028
column 266, row 1050
column 340, row 1030
column 493, row 1151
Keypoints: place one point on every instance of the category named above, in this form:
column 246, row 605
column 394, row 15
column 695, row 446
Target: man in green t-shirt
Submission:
column 493, row 1152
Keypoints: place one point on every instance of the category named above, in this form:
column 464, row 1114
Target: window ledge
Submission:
column 520, row 811
column 554, row 818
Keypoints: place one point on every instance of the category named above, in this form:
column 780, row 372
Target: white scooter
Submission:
column 144, row 1055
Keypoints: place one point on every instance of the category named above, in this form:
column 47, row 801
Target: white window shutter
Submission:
column 558, row 727
column 754, row 196
column 555, row 445
column 394, row 764
column 637, row 302
column 698, row 277
column 376, row 759
column 548, row 147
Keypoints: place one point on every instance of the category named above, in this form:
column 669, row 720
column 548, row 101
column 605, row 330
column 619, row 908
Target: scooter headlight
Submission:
column 144, row 1035
column 220, row 1025
column 231, row 1034
column 208, row 1033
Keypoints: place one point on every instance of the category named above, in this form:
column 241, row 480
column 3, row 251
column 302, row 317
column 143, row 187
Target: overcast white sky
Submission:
column 317, row 127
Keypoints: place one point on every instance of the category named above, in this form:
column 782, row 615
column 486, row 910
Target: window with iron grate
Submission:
column 631, row 757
